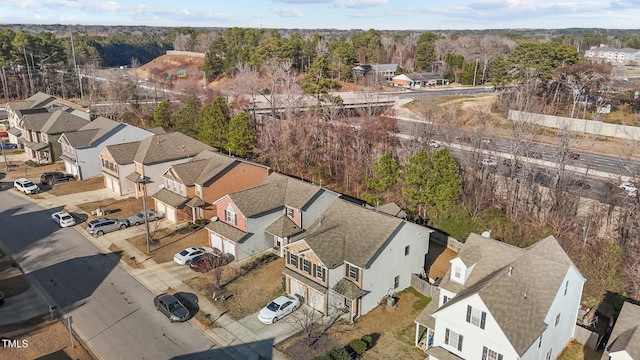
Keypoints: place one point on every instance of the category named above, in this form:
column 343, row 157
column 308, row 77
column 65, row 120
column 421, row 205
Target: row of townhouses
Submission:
column 495, row 302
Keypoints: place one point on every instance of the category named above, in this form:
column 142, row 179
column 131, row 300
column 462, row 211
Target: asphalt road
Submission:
column 110, row 309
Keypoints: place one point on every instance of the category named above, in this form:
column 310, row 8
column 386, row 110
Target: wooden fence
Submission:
column 423, row 286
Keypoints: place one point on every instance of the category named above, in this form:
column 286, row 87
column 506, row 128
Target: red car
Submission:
column 4, row 134
column 572, row 155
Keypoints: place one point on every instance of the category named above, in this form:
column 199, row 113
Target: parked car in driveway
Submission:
column 63, row 218
column 171, row 307
column 6, row 145
column 4, row 134
column 55, row 177
column 26, row 186
column 207, row 262
column 104, row 225
column 139, row 218
column 185, row 256
column 279, row 308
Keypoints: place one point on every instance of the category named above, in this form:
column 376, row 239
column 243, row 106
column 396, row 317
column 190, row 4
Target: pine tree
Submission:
column 241, row 136
column 162, row 115
column 386, row 173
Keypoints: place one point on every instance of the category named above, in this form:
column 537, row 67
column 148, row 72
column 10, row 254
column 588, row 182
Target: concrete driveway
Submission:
column 279, row 331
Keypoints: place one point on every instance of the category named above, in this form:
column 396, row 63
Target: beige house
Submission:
column 136, row 168
column 190, row 188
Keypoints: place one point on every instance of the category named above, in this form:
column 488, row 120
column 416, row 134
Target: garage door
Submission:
column 215, row 241
column 229, row 247
column 116, row 186
column 316, row 300
column 295, row 287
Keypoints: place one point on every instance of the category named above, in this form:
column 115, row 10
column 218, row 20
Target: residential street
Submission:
column 110, row 309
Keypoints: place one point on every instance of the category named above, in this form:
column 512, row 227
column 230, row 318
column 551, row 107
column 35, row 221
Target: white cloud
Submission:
column 358, row 4
column 288, row 12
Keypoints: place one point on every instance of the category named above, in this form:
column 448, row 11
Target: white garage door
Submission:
column 116, row 186
column 316, row 300
column 295, row 287
column 215, row 241
column 229, row 247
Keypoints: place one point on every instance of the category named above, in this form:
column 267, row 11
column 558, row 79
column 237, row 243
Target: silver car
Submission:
column 104, row 225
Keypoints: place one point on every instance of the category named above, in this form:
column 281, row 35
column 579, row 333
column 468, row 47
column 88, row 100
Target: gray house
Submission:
column 41, row 132
column 81, row 148
column 266, row 216
column 624, row 342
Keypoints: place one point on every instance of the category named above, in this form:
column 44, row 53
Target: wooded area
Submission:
column 360, row 155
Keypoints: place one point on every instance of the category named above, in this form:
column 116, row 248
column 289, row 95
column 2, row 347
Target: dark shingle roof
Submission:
column 91, row 132
column 62, row 121
column 123, row 153
column 170, row 198
column 508, row 280
column 625, row 334
column 275, row 191
column 203, row 167
column 167, row 147
column 228, row 231
column 348, row 232
column 283, row 227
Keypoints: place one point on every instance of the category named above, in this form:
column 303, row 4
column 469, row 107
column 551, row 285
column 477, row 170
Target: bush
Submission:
column 367, row 340
column 358, row 346
column 339, row 354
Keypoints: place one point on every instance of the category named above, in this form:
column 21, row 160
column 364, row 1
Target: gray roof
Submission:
column 283, row 227
column 166, row 147
column 508, row 280
column 62, row 121
column 625, row 334
column 226, row 230
column 41, row 100
column 203, row 167
column 392, row 209
column 275, row 191
column 123, row 153
column 91, row 132
column 348, row 289
column 423, row 76
column 170, row 198
column 349, row 232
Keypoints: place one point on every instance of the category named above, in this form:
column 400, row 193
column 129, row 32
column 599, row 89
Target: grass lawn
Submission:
column 167, row 242
column 392, row 329
column 251, row 286
column 576, row 351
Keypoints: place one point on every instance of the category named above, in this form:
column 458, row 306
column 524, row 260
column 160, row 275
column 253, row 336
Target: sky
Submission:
column 331, row 14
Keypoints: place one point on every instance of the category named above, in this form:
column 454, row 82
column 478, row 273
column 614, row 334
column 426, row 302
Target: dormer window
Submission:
column 457, row 272
column 289, row 212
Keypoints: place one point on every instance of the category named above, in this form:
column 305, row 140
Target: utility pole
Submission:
column 475, row 71
column 75, row 66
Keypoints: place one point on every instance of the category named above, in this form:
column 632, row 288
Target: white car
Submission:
column 278, row 308
column 63, row 218
column 434, row 143
column 185, row 256
column 26, row 186
column 629, row 188
column 488, row 162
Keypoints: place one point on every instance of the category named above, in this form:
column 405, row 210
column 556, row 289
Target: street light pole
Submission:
column 143, row 181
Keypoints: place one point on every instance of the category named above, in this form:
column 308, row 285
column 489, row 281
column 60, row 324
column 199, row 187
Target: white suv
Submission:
column 26, row 186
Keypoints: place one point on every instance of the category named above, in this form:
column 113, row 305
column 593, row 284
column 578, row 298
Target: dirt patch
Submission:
column 249, row 287
column 18, row 169
column 392, row 330
column 442, row 264
column 117, row 208
column 73, row 187
column 164, row 65
column 47, row 339
column 166, row 242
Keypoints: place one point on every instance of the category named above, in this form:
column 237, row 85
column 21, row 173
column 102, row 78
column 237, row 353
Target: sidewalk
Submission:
column 237, row 340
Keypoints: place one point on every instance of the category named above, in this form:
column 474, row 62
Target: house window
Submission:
column 445, row 298
column 320, row 272
column 290, row 212
column 453, row 339
column 488, row 354
column 406, row 250
column 566, row 287
column 293, row 260
column 476, row 316
column 540, row 342
column 557, row 319
column 230, row 215
column 457, row 272
column 396, row 282
column 548, row 357
column 306, row 266
column 198, row 190
column 353, row 272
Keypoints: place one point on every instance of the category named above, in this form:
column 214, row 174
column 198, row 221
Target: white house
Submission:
column 81, row 149
column 352, row 258
column 607, row 54
column 502, row 302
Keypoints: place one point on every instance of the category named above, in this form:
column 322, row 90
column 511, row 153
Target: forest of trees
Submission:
column 361, row 156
